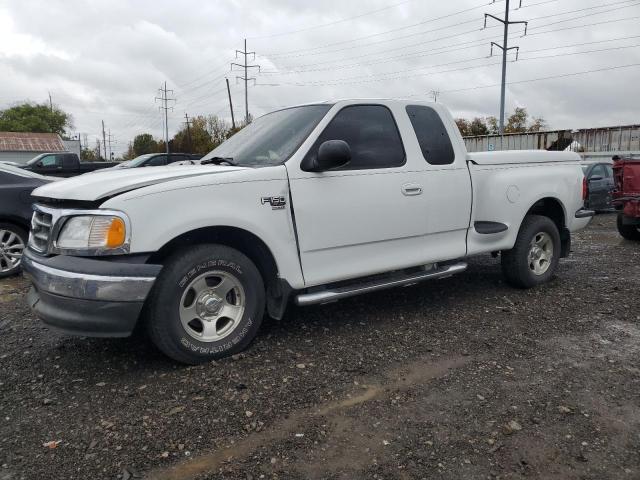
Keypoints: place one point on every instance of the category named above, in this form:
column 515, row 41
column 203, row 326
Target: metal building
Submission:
column 591, row 143
column 20, row 147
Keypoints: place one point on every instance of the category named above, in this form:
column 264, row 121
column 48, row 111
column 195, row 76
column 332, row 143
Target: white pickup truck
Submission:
column 312, row 203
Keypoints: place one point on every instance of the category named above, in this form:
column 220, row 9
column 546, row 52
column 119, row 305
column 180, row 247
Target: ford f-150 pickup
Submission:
column 310, row 204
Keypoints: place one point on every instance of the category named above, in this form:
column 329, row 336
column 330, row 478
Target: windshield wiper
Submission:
column 218, row 161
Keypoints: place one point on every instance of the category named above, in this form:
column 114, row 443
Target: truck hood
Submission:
column 107, row 183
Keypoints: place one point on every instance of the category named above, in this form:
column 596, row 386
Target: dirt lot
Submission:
column 459, row 378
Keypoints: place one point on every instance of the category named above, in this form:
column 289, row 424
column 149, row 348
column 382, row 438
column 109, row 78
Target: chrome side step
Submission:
column 334, row 294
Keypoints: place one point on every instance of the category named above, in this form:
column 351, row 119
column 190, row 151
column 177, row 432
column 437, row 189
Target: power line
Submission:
column 551, row 77
column 430, row 20
column 467, row 32
column 471, row 67
column 313, row 27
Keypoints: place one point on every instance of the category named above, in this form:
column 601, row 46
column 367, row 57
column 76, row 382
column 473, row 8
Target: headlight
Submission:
column 92, row 232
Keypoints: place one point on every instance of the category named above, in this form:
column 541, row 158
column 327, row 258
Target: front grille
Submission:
column 41, row 225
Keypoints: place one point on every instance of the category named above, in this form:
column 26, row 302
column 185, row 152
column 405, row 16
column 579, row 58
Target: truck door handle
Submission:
column 410, row 189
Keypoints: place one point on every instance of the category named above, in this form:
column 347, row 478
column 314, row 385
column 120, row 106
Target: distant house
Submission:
column 20, row 147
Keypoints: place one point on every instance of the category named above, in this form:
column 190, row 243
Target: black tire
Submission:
column 162, row 312
column 515, row 262
column 20, row 232
column 630, row 232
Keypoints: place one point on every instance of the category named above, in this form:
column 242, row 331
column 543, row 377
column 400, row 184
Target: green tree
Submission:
column 32, row 117
column 538, row 124
column 492, row 125
column 478, row 126
column 144, row 143
column 89, row 155
column 517, row 121
column 464, row 126
column 195, row 139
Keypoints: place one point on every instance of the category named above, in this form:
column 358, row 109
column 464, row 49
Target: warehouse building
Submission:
column 20, row 147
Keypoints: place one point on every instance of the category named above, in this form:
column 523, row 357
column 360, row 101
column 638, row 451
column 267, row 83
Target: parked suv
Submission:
column 157, row 160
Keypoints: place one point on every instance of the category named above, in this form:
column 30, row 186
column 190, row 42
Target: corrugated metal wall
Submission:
column 610, row 139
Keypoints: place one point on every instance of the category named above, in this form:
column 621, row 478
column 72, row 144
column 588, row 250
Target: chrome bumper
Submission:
column 86, row 286
column 88, row 297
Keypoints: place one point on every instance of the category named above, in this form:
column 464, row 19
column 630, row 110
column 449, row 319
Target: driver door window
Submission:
column 48, row 161
column 371, row 133
column 157, row 161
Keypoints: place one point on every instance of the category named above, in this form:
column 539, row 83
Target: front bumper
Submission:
column 88, row 297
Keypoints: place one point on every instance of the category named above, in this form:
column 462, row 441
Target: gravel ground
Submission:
column 458, row 378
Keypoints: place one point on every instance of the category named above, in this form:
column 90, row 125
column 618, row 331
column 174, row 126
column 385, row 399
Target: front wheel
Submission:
column 630, row 232
column 534, row 257
column 207, row 303
column 12, row 244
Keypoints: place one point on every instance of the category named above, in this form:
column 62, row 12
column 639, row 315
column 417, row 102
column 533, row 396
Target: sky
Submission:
column 578, row 65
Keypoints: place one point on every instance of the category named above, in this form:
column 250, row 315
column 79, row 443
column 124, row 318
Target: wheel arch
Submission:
column 17, row 221
column 553, row 208
column 248, row 243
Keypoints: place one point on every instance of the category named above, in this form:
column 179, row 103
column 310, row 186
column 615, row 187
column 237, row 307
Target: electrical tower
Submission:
column 505, row 48
column 164, row 98
column 246, row 78
column 434, row 94
column 109, row 136
column 188, row 124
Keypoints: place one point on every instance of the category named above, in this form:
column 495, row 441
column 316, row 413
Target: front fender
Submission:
column 161, row 213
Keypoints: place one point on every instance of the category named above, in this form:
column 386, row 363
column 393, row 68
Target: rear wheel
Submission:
column 207, row 303
column 630, row 232
column 534, row 257
column 13, row 240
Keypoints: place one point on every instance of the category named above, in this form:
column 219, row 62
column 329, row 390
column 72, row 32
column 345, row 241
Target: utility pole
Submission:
column 233, row 120
column 187, row 122
column 109, row 137
column 505, row 48
column 104, row 141
column 165, row 106
column 50, row 102
column 434, row 94
column 246, row 78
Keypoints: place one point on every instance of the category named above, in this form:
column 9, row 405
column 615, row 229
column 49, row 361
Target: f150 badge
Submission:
column 277, row 203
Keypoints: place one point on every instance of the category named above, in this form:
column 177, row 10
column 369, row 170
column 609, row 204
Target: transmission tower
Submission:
column 164, row 98
column 187, row 122
column 505, row 48
column 246, row 78
column 109, row 141
column 434, row 94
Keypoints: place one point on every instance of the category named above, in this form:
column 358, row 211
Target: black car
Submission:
column 600, row 185
column 157, row 160
column 62, row 164
column 16, row 186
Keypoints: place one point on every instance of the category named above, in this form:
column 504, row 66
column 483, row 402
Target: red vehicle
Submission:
column 626, row 196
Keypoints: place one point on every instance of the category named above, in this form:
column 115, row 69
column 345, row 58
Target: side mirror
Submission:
column 595, row 178
column 331, row 154
column 39, row 164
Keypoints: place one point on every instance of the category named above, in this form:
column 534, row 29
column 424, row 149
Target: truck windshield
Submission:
column 139, row 160
column 272, row 138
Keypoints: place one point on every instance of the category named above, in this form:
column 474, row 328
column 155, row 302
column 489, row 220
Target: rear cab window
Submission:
column 432, row 135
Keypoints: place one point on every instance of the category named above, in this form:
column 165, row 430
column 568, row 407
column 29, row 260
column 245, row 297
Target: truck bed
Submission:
column 521, row 156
